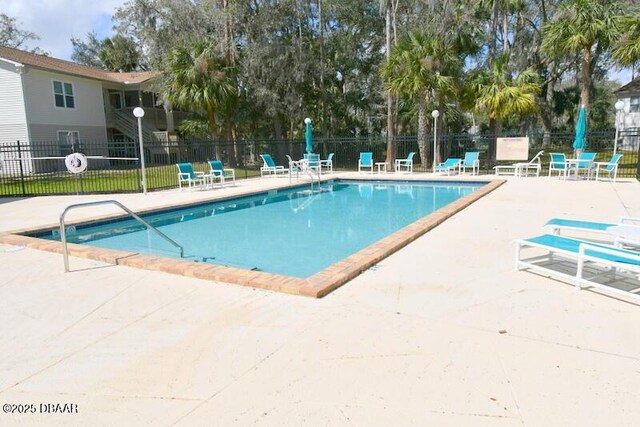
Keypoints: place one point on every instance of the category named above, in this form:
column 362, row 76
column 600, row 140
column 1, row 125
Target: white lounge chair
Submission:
column 217, row 170
column 618, row 262
column 521, row 168
column 405, row 163
column 365, row 161
column 448, row 166
column 270, row 168
column 328, row 163
column 625, row 232
column 558, row 163
column 471, row 161
column 586, row 162
column 186, row 175
column 610, row 167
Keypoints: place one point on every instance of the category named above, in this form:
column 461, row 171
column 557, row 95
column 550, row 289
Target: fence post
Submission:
column 24, row 191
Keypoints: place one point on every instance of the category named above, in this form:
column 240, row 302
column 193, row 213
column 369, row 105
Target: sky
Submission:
column 56, row 21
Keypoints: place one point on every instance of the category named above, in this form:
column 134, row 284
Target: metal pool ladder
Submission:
column 63, row 232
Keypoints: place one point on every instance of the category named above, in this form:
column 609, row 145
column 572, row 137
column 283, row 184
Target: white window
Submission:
column 69, row 141
column 634, row 106
column 63, row 94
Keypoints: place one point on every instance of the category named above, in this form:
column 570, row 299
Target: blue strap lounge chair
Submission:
column 558, row 224
column 313, row 162
column 448, row 166
column 521, row 168
column 610, row 167
column 269, row 167
column 218, row 171
column 187, row 175
column 471, row 160
column 328, row 163
column 585, row 163
column 627, row 231
column 405, row 163
column 365, row 161
column 619, row 262
column 558, row 163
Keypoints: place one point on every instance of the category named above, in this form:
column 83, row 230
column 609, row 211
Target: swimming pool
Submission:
column 295, row 239
column 295, row 232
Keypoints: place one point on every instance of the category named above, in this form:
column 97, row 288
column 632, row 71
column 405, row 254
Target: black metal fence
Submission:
column 38, row 168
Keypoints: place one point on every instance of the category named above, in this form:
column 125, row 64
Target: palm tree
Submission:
column 626, row 51
column 500, row 95
column 420, row 69
column 195, row 78
column 579, row 28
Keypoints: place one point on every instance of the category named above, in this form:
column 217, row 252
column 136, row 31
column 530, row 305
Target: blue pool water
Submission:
column 294, row 232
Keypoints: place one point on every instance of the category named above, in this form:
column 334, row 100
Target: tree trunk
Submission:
column 586, row 76
column 493, row 39
column 423, row 136
column 546, row 112
column 231, row 143
column 495, row 127
column 213, row 130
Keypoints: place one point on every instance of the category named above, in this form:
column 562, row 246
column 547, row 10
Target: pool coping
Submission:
column 316, row 286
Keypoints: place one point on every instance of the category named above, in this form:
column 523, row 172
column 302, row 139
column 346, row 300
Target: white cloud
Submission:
column 56, row 21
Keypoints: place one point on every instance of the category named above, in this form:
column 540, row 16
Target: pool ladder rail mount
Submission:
column 303, row 167
column 63, row 233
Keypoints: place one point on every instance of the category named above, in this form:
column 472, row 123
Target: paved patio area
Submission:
column 443, row 332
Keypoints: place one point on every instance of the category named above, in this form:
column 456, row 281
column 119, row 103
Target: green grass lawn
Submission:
column 103, row 181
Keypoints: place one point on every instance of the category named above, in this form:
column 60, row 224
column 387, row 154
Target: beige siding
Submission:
column 13, row 122
column 91, row 134
column 630, row 120
column 44, row 116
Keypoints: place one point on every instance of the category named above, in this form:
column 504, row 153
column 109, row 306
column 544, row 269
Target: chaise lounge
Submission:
column 269, row 167
column 522, row 168
column 448, row 166
column 618, row 263
column 186, row 175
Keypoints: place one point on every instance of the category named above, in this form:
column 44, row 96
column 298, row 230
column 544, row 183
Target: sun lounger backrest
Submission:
column 588, row 159
column 216, row 165
column 268, row 161
column 613, row 162
column 536, row 158
column 470, row 157
column 366, row 159
column 186, row 168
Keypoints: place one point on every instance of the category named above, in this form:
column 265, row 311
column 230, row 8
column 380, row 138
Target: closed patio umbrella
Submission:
column 580, row 141
column 308, row 135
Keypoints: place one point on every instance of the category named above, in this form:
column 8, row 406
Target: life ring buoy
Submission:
column 76, row 162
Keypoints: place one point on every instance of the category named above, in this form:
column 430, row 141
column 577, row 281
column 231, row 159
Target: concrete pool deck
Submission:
column 442, row 332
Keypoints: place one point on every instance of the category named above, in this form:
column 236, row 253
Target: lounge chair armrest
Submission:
column 584, row 247
column 184, row 175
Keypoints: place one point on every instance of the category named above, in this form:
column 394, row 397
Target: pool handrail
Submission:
column 63, row 231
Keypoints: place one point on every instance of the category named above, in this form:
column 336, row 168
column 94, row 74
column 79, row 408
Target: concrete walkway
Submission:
column 443, row 332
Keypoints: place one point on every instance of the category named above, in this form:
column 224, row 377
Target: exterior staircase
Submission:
column 128, row 126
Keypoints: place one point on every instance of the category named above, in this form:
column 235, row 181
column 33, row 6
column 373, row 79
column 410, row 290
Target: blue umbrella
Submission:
column 580, row 142
column 308, row 135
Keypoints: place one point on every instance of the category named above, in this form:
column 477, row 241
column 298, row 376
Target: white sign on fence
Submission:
column 512, row 148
